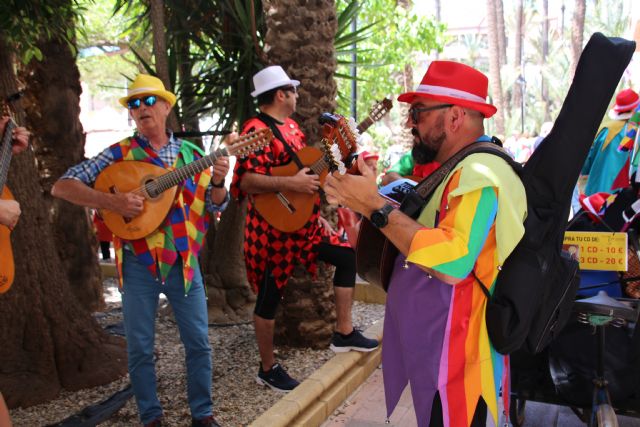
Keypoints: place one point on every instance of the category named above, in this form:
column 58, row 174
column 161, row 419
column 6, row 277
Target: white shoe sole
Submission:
column 263, row 382
column 337, row 349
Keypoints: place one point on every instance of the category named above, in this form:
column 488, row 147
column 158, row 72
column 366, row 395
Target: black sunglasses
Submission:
column 289, row 89
column 134, row 103
column 415, row 111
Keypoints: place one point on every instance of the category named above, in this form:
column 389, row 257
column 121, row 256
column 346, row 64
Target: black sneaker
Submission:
column 276, row 378
column 208, row 422
column 354, row 341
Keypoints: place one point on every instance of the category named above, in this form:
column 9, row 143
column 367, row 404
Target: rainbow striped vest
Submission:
column 183, row 230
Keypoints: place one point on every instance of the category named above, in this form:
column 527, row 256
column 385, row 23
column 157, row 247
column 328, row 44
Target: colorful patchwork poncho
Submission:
column 182, row 232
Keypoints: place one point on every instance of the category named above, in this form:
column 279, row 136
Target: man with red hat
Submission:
column 607, row 167
column 435, row 337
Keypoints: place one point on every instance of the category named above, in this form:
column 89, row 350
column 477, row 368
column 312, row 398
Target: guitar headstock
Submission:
column 250, row 142
column 380, row 109
column 340, row 137
column 7, row 104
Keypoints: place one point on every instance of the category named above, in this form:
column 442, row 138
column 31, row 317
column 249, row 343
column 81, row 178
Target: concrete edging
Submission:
column 311, row 403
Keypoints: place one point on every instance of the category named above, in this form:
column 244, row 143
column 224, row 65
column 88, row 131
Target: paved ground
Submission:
column 366, row 408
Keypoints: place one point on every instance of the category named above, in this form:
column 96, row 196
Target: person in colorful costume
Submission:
column 270, row 253
column 608, row 165
column 9, row 208
column 166, row 261
column 435, row 336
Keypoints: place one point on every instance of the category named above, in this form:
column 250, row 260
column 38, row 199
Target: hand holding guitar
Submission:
column 305, row 182
column 129, row 205
column 20, row 136
column 220, row 170
column 9, row 213
column 357, row 192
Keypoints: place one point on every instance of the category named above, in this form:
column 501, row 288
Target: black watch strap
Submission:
column 220, row 185
column 380, row 218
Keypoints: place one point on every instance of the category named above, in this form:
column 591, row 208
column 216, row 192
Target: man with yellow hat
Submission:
column 435, row 336
column 166, row 261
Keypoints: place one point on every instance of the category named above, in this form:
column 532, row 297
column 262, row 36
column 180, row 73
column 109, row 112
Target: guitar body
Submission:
column 124, row 177
column 7, row 268
column 375, row 255
column 291, row 216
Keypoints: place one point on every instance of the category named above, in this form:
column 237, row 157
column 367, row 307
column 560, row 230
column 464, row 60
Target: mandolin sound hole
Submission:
column 151, row 188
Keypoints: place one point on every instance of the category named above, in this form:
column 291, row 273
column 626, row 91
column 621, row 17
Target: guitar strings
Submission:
column 170, row 179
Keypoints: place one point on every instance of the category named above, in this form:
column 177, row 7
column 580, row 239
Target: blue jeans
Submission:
column 139, row 304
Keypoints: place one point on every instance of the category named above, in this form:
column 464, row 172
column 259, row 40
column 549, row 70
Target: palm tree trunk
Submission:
column 494, row 66
column 307, row 53
column 517, row 63
column 160, row 53
column 50, row 340
column 502, row 34
column 577, row 33
column 230, row 298
column 545, row 53
column 53, row 103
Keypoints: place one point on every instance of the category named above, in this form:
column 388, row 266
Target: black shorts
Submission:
column 343, row 258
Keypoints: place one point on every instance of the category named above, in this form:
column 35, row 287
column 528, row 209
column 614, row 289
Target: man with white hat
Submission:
column 435, row 336
column 166, row 261
column 269, row 252
column 607, row 167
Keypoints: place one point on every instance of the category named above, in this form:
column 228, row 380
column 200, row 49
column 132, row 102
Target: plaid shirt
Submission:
column 88, row 170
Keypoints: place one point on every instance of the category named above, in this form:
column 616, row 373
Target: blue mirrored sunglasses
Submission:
column 134, row 103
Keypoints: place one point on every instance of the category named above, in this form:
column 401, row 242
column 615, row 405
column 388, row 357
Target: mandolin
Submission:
column 7, row 267
column 159, row 186
column 289, row 211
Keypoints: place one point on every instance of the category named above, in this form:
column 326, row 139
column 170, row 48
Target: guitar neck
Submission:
column 319, row 165
column 177, row 176
column 365, row 124
column 5, row 152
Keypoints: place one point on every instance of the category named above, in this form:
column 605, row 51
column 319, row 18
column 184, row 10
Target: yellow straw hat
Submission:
column 145, row 84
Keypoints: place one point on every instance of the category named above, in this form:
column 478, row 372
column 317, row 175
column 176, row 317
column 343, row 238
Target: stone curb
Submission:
column 311, row 403
column 108, row 269
column 372, row 294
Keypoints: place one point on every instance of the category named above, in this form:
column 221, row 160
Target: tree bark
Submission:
column 49, row 339
column 230, row 298
column 300, row 39
column 517, row 88
column 160, row 54
column 53, row 110
column 544, row 93
column 494, row 67
column 502, row 33
column 577, row 34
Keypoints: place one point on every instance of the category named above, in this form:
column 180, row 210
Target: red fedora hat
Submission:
column 454, row 83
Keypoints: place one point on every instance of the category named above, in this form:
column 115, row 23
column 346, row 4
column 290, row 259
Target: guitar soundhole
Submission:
column 151, row 188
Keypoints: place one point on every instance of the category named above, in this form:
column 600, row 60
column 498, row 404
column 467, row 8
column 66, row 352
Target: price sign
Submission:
column 598, row 250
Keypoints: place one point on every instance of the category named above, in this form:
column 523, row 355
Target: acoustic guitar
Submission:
column 7, row 267
column 289, row 211
column 159, row 186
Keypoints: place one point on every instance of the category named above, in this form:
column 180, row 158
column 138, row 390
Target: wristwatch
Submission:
column 220, row 185
column 380, row 217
